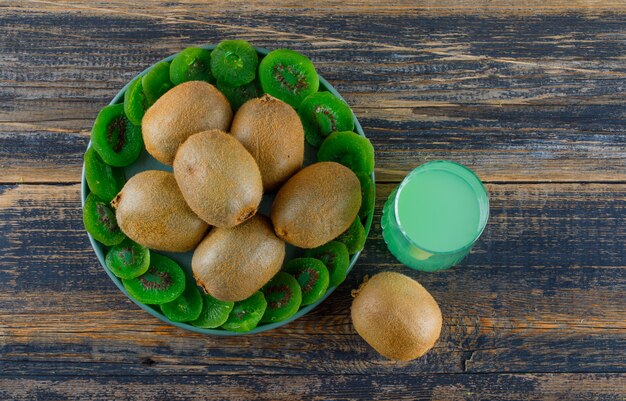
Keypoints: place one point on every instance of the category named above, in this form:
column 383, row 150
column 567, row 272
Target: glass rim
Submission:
column 483, row 206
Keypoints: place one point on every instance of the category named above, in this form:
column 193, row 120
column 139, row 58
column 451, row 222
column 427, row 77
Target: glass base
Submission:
column 408, row 254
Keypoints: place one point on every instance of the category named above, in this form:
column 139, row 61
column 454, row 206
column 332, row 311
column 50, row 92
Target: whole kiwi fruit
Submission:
column 231, row 264
column 272, row 132
column 316, row 205
column 218, row 178
column 151, row 211
column 184, row 110
column 396, row 316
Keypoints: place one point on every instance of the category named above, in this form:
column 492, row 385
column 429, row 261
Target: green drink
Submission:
column 431, row 221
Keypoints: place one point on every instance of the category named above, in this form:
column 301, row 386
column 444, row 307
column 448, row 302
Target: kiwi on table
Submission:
column 350, row 149
column 238, row 95
column 323, row 113
column 191, row 64
column 271, row 131
column 151, row 211
column 231, row 264
column 354, row 237
column 156, row 82
column 186, row 307
column 234, row 62
column 316, row 205
column 163, row 282
column 128, row 259
column 335, row 257
column 100, row 222
column 218, row 178
column 396, row 316
column 103, row 180
column 288, row 76
column 115, row 138
column 135, row 102
column 284, row 297
column 246, row 314
column 368, row 195
column 312, row 275
column 214, row 312
column 184, row 110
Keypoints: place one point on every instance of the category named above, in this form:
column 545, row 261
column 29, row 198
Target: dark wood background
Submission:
column 530, row 96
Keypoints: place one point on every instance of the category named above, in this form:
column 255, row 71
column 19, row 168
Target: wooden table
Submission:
column 530, row 96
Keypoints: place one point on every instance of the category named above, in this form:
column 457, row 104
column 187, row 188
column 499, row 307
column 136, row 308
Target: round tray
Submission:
column 147, row 162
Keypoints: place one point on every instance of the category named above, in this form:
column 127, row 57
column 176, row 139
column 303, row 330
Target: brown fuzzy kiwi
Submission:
column 151, row 211
column 184, row 110
column 316, row 205
column 272, row 132
column 231, row 264
column 396, row 316
column 219, row 179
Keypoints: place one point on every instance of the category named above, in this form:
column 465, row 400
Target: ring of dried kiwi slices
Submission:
column 161, row 283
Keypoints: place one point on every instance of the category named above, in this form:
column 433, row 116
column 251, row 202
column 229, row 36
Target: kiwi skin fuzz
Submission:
column 151, row 211
column 396, row 316
column 231, row 264
column 182, row 111
column 272, row 132
column 218, row 178
column 316, row 205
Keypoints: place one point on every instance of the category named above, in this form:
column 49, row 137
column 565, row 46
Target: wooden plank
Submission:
column 510, row 96
column 502, row 387
column 545, row 282
column 329, row 7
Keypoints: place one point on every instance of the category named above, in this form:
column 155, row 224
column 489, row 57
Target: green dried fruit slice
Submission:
column 288, row 76
column 103, row 180
column 312, row 275
column 128, row 259
column 115, row 138
column 234, row 62
column 163, row 282
column 350, row 149
column 335, row 257
column 99, row 220
column 246, row 314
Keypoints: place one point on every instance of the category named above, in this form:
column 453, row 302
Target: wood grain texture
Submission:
column 528, row 94
column 501, row 387
column 516, row 97
column 545, row 282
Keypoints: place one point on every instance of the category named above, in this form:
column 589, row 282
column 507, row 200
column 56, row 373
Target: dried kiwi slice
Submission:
column 128, row 259
column 368, row 195
column 100, row 222
column 157, row 81
column 234, row 62
column 284, row 297
column 335, row 257
column 288, row 76
column 312, row 275
column 350, row 149
column 214, row 312
column 238, row 95
column 353, row 237
column 186, row 307
column 103, row 180
column 135, row 102
column 115, row 138
column 246, row 314
column 163, row 282
column 323, row 113
column 192, row 64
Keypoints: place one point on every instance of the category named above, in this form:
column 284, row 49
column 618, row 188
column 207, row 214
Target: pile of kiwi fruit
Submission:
column 229, row 125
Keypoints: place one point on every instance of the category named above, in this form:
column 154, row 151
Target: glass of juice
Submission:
column 434, row 217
